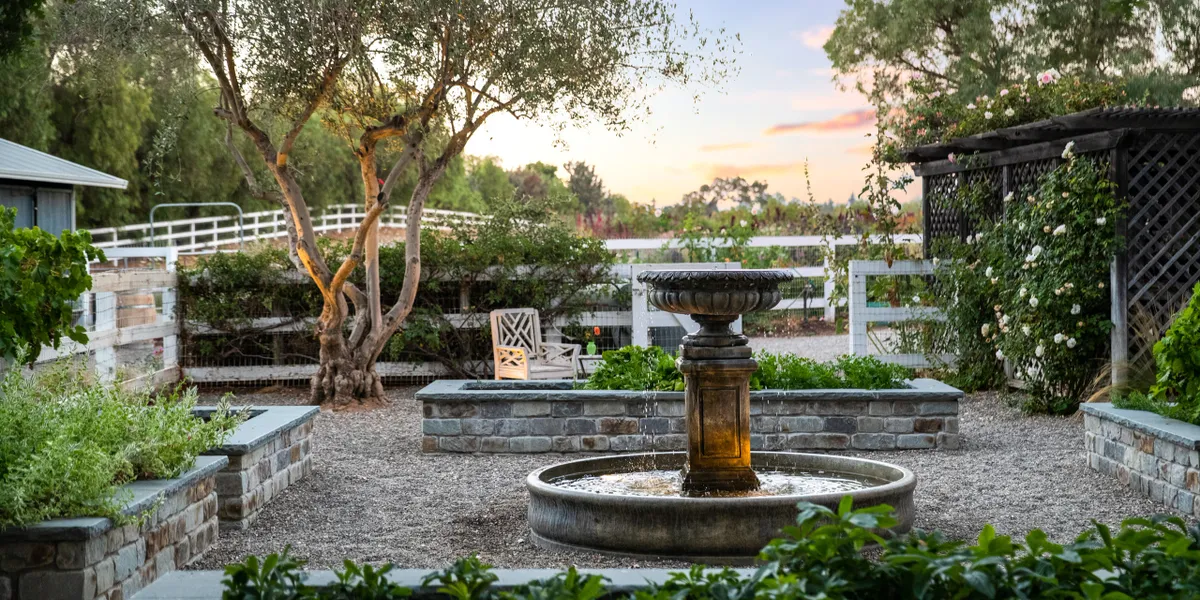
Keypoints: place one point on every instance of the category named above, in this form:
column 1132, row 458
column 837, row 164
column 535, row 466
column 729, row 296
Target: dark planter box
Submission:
column 551, row 416
column 88, row 557
column 267, row 453
column 1147, row 452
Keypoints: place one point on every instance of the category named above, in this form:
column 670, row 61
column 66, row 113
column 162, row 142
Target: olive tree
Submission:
column 408, row 83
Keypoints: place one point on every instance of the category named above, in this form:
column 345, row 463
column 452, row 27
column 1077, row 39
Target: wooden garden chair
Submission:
column 520, row 353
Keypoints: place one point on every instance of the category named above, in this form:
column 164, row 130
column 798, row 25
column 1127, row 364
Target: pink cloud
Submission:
column 815, row 37
column 856, row 119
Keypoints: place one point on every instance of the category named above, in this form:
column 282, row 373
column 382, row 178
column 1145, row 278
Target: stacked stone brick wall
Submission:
column 522, row 417
column 91, row 559
column 1152, row 455
column 269, row 452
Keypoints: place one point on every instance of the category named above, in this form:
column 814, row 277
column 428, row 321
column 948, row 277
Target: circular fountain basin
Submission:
column 568, row 512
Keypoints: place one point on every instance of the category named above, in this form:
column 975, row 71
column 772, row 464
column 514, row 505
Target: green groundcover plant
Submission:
column 821, row 558
column 67, row 443
column 637, row 368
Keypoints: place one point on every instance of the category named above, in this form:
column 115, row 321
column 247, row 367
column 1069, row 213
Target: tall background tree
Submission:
column 406, row 83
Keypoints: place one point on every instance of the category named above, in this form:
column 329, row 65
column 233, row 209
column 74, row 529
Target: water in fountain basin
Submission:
column 663, row 482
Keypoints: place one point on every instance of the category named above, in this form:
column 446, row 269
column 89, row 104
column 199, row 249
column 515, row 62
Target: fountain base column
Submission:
column 717, row 411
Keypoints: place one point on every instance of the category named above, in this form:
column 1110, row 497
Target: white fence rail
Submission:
column 862, row 315
column 212, row 233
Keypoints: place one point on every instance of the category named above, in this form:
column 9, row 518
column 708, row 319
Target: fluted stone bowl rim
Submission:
column 898, row 480
column 716, row 279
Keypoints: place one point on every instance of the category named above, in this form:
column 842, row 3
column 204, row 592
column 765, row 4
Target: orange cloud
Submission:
column 846, row 121
column 722, row 147
column 865, row 149
column 750, row 171
column 815, row 37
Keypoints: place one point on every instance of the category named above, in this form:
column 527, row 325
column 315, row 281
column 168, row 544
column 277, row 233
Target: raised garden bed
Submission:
column 552, row 416
column 268, row 452
column 89, row 557
column 1156, row 456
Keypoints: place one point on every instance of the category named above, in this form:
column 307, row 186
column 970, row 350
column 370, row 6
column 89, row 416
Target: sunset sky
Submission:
column 781, row 109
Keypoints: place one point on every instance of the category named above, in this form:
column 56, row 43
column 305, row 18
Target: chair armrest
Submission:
column 510, row 356
column 560, row 353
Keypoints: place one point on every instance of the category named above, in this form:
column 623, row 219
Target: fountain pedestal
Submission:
column 716, row 367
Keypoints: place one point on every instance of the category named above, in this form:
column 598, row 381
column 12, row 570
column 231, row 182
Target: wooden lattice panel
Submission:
column 993, row 178
column 1163, row 236
column 1024, row 176
column 942, row 220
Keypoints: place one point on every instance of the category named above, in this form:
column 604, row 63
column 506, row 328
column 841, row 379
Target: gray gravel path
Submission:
column 373, row 496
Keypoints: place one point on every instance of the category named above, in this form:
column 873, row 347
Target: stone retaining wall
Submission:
column 1151, row 454
column 88, row 558
column 550, row 416
column 267, row 453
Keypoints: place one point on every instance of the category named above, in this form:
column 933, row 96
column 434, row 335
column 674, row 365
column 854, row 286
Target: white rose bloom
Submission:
column 1025, row 329
column 995, row 281
column 1058, row 338
column 1021, row 226
column 1066, row 153
column 1071, row 343
column 1039, row 351
column 1037, row 251
column 1004, row 319
column 742, row 222
column 1033, row 302
column 1046, row 229
column 1009, row 112
column 1101, row 220
column 1023, row 292
column 917, row 299
column 1008, row 197
column 999, row 355
column 987, row 114
column 971, row 106
column 1076, row 309
column 1061, row 229
column 987, row 272
column 985, row 329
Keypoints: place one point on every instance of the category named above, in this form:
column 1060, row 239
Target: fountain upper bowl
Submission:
column 715, row 292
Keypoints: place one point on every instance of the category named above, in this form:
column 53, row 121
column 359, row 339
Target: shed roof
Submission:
column 1057, row 128
column 26, row 164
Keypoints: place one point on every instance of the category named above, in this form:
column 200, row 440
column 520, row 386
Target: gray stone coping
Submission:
column 1172, row 430
column 144, row 495
column 264, row 424
column 206, row 585
column 469, row 390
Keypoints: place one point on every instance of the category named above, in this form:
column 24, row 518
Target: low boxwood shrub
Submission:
column 637, row 368
column 67, row 443
column 821, row 557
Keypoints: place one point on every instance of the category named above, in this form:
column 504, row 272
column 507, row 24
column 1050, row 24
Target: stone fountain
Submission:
column 716, row 512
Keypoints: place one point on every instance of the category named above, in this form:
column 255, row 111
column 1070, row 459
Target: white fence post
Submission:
column 106, row 319
column 830, row 307
column 862, row 314
column 858, row 308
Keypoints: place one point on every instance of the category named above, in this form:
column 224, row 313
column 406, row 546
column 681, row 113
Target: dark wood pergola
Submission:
column 1153, row 156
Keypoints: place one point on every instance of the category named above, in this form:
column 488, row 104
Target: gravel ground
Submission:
column 373, row 496
column 820, row 348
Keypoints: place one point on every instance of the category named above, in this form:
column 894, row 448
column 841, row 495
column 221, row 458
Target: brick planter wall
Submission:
column 550, row 416
column 1149, row 453
column 88, row 558
column 267, row 453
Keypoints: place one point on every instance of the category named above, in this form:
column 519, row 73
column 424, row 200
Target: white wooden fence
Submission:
column 224, row 232
column 862, row 315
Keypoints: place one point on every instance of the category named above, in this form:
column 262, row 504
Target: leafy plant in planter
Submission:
column 1176, row 389
column 822, row 557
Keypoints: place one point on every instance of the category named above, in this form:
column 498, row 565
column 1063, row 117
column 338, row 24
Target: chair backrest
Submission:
column 517, row 327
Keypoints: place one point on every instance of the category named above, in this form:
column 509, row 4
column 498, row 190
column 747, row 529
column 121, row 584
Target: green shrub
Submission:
column 66, row 443
column 1176, row 389
column 637, row 368
column 821, row 557
column 41, row 277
